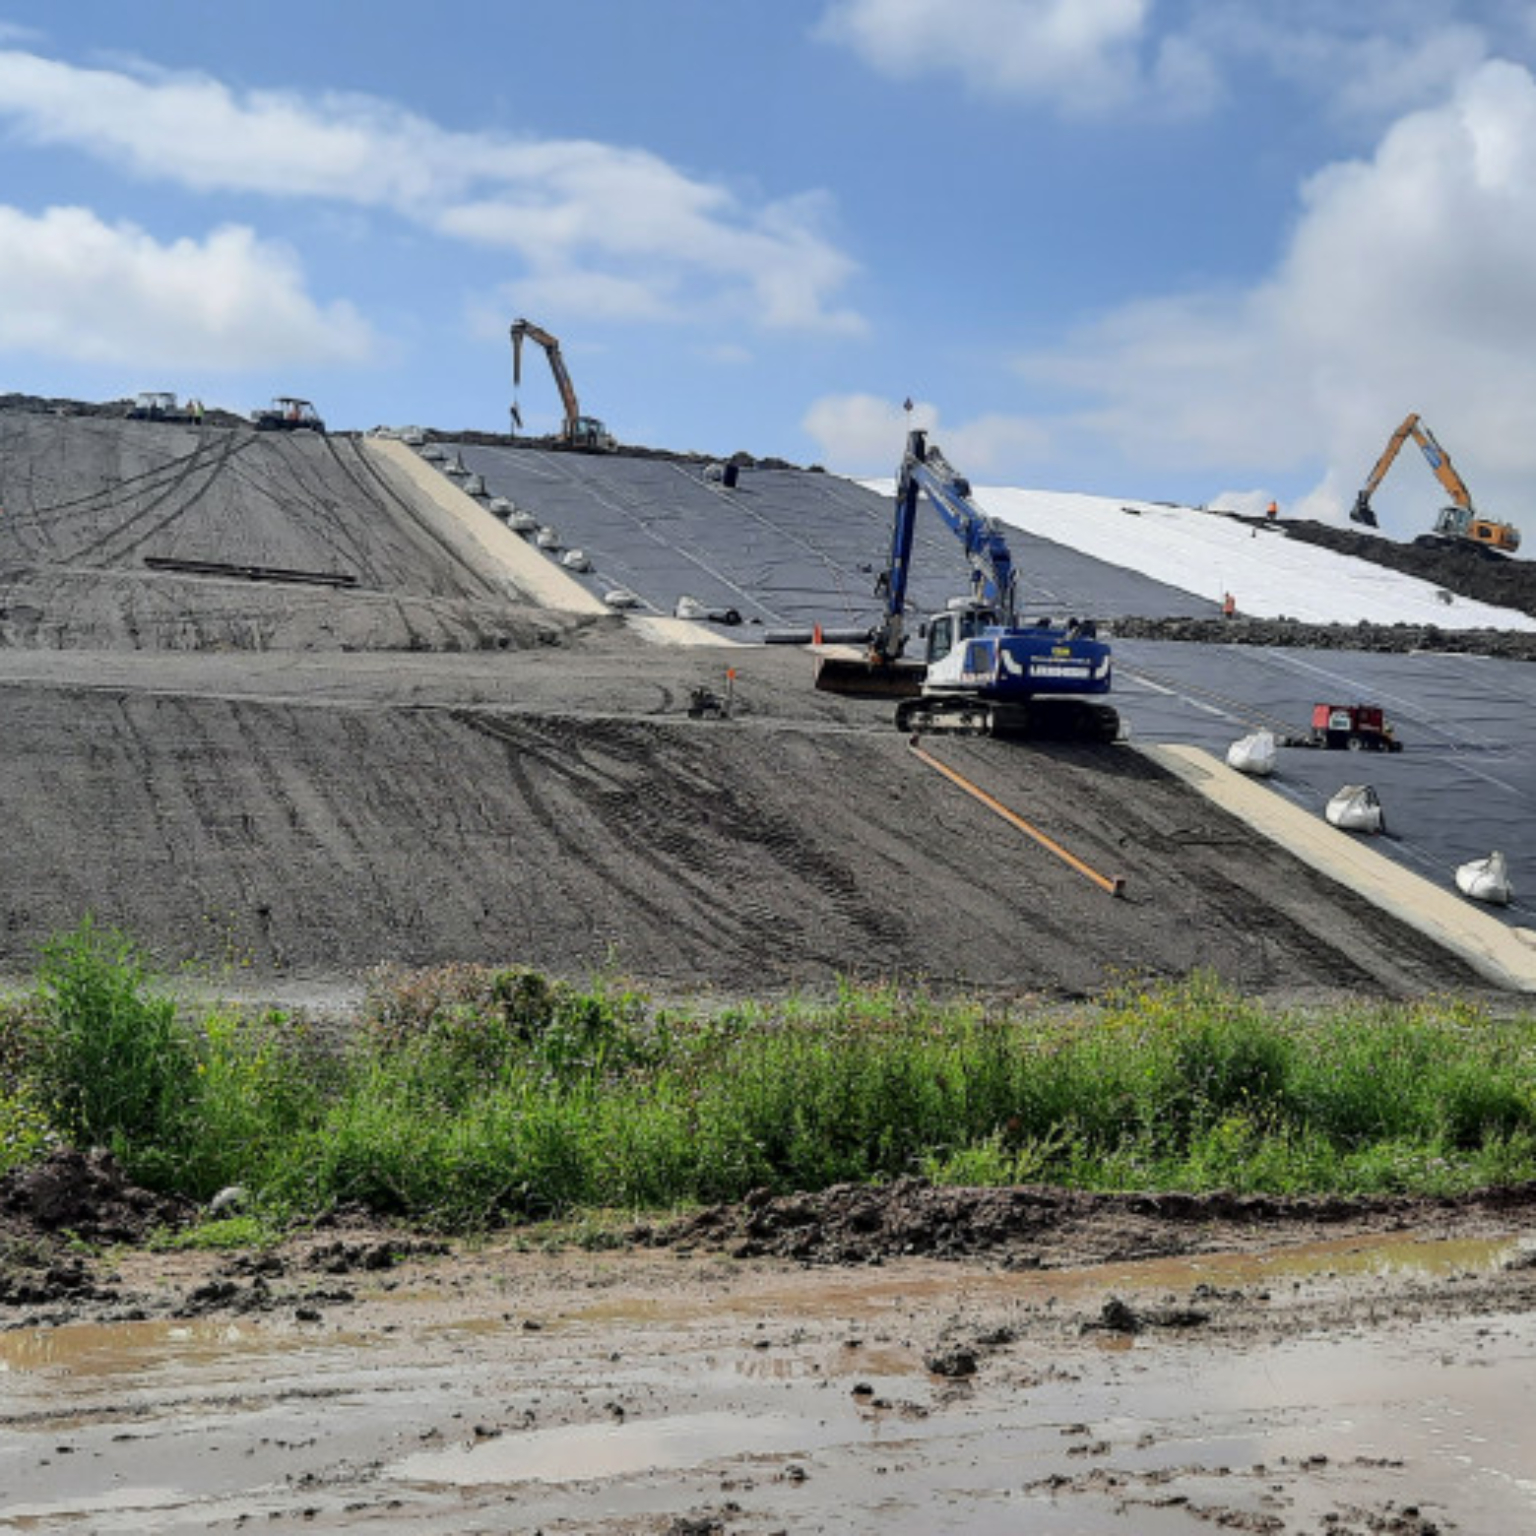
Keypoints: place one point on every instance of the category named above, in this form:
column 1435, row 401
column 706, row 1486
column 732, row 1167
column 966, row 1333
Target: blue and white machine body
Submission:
column 985, row 671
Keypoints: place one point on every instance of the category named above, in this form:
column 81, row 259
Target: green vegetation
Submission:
column 467, row 1096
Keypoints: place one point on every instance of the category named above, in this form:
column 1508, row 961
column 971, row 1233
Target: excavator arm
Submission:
column 536, row 333
column 1435, row 456
column 924, row 470
column 1362, row 511
column 1445, row 472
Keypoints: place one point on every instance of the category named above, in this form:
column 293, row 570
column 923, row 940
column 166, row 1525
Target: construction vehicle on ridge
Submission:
column 1457, row 525
column 577, row 431
column 985, row 672
column 287, row 414
column 160, row 405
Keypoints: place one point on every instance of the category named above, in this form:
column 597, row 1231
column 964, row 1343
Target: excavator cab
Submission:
column 1463, row 524
column 963, row 620
column 589, row 432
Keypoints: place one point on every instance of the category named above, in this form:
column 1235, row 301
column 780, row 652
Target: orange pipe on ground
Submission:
column 1113, row 884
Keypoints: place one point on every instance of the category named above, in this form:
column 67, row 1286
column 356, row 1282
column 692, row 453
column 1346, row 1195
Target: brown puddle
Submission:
column 117, row 1349
column 1326, row 1262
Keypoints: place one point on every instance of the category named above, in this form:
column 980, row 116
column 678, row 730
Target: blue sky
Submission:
column 1193, row 251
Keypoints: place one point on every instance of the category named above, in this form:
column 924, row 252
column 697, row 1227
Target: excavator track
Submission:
column 1039, row 720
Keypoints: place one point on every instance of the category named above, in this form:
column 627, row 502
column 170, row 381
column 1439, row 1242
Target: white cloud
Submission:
column 1368, row 61
column 864, row 435
column 597, row 224
column 1373, row 60
column 1082, row 56
column 97, row 293
column 1408, row 285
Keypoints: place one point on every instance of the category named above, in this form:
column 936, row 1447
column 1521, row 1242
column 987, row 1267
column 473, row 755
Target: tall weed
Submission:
column 115, row 1067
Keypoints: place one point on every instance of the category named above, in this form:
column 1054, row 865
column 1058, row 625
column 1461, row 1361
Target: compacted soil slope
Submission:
column 199, row 760
column 304, row 542
column 563, row 810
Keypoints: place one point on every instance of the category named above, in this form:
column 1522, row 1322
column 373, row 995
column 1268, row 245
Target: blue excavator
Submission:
column 984, row 671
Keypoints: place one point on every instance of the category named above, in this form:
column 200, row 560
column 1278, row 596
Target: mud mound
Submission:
column 1400, row 639
column 85, row 1194
column 129, row 535
column 1030, row 1227
column 1470, row 572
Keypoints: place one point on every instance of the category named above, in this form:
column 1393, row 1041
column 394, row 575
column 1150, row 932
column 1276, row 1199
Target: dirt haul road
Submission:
column 305, row 781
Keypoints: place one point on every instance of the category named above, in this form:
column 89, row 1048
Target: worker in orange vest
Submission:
column 1273, row 511
column 1228, row 606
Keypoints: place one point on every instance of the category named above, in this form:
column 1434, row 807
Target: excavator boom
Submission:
column 1459, row 522
column 581, row 431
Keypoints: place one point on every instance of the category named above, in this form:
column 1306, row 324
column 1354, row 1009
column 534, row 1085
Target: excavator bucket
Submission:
column 856, row 676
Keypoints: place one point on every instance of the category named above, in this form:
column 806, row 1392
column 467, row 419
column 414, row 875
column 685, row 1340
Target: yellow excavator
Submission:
column 578, row 431
column 1457, row 525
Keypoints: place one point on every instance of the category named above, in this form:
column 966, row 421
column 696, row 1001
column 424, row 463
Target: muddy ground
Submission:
column 907, row 1360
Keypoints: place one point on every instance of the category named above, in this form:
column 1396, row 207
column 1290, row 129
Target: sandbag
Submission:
column 1253, row 754
column 1356, row 808
column 1486, row 880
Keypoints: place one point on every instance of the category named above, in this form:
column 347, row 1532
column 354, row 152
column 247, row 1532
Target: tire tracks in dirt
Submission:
column 117, row 544
column 677, row 826
column 412, row 513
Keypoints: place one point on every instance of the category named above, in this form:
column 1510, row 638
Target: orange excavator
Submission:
column 578, row 431
column 1457, row 525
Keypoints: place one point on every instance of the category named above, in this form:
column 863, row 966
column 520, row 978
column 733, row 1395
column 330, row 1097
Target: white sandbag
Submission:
column 1486, row 880
column 474, row 485
column 621, row 597
column 502, row 506
column 690, row 608
column 547, row 538
column 521, row 520
column 1253, row 754
column 1356, row 808
column 576, row 560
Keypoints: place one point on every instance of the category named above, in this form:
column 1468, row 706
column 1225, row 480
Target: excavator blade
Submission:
column 858, row 677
